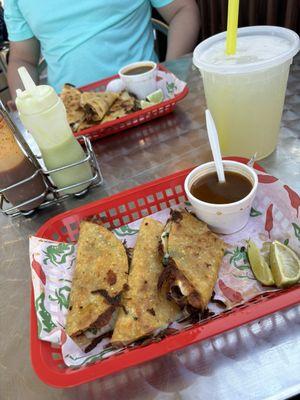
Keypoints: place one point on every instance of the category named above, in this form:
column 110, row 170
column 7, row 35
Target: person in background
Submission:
column 84, row 41
column 3, row 30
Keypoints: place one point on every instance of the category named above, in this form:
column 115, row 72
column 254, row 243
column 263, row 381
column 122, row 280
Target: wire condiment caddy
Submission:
column 51, row 194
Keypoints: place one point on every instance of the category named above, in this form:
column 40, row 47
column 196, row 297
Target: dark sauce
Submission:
column 208, row 189
column 138, row 70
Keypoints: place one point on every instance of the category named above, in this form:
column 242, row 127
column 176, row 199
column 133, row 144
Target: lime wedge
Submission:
column 156, row 97
column 259, row 266
column 145, row 104
column 285, row 265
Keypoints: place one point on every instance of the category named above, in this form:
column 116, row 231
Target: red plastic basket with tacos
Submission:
column 118, row 209
column 175, row 90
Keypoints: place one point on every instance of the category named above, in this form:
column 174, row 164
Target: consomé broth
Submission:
column 141, row 69
column 207, row 188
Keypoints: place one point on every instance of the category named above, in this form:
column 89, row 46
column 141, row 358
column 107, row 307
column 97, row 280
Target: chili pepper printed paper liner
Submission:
column 275, row 215
column 169, row 84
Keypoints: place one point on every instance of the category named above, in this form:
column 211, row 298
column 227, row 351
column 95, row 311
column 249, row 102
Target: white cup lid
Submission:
column 200, row 53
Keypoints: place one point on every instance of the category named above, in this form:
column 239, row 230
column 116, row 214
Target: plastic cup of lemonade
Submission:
column 245, row 91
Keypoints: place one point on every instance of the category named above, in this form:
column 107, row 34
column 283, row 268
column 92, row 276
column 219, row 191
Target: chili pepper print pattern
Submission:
column 266, row 178
column 254, row 212
column 239, row 258
column 63, row 337
column 88, row 359
column 171, row 88
column 36, row 266
column 53, row 264
column 269, row 220
column 294, row 199
column 125, row 230
column 296, row 230
column 231, row 294
column 62, row 297
column 44, row 318
column 57, row 254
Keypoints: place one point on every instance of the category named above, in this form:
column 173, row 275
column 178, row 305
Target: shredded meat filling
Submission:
column 97, row 340
column 100, row 322
column 169, row 277
column 103, row 319
column 111, row 277
column 151, row 311
column 161, row 249
column 176, row 216
column 114, row 301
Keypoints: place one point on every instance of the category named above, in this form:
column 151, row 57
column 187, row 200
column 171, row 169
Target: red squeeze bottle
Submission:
column 14, row 167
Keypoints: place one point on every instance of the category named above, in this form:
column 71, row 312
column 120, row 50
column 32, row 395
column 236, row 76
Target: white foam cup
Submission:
column 140, row 84
column 222, row 218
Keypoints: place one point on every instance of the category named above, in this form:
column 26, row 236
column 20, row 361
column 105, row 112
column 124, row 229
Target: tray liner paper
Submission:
column 275, row 215
column 169, row 84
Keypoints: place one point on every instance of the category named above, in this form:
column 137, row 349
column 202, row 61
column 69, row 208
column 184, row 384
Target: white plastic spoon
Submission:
column 214, row 145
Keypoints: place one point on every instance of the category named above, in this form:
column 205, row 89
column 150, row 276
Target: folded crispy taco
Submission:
column 84, row 124
column 145, row 310
column 70, row 96
column 192, row 258
column 122, row 106
column 101, row 272
column 97, row 104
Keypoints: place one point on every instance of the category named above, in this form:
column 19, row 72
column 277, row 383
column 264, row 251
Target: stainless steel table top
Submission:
column 260, row 360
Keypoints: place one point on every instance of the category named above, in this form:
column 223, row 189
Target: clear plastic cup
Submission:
column 245, row 92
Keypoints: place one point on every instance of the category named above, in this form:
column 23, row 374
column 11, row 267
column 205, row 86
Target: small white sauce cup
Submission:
column 222, row 218
column 141, row 84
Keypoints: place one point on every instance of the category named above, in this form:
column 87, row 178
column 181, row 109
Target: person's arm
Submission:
column 183, row 18
column 24, row 53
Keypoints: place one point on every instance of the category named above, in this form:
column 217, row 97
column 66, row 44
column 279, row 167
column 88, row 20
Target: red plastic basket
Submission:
column 133, row 119
column 118, row 210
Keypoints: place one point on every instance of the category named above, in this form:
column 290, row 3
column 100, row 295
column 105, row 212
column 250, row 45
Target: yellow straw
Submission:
column 232, row 24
